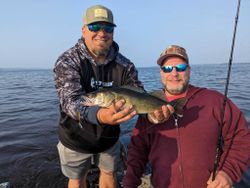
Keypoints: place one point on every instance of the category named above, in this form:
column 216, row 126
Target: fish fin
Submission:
column 78, row 116
column 133, row 88
column 78, row 119
column 178, row 105
column 159, row 94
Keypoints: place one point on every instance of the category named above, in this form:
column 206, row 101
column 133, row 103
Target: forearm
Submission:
column 69, row 89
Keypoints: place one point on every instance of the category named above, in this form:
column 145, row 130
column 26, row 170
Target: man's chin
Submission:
column 101, row 52
column 175, row 91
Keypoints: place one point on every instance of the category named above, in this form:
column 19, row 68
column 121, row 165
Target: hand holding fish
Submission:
column 116, row 113
column 160, row 116
column 221, row 180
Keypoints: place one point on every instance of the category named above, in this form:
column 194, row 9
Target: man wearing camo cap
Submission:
column 181, row 151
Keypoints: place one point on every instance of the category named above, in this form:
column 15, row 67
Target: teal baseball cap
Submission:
column 98, row 13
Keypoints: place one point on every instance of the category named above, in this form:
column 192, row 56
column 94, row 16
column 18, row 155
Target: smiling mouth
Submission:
column 174, row 80
column 100, row 41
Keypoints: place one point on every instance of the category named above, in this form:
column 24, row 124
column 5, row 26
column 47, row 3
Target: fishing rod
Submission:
column 220, row 138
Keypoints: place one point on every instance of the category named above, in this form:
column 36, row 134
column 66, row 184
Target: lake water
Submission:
column 29, row 118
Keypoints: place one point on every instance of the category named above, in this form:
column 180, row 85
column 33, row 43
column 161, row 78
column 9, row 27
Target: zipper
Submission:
column 180, row 166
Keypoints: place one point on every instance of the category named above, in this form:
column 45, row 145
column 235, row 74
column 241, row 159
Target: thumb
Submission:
column 209, row 181
column 119, row 104
column 151, row 117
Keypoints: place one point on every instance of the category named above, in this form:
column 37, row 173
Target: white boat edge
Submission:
column 4, row 185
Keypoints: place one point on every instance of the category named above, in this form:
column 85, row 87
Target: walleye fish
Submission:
column 142, row 101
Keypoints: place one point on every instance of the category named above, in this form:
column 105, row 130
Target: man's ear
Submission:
column 83, row 29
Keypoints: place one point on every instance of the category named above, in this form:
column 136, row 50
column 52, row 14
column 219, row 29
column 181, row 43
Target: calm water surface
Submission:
column 29, row 116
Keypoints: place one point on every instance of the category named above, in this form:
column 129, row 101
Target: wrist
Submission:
column 91, row 116
column 99, row 116
column 226, row 176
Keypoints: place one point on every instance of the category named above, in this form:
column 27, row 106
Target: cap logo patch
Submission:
column 101, row 13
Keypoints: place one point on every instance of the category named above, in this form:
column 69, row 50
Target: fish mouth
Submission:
column 88, row 101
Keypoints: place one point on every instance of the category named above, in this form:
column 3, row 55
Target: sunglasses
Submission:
column 179, row 68
column 97, row 27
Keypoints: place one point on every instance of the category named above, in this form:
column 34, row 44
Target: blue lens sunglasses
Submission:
column 179, row 68
column 95, row 27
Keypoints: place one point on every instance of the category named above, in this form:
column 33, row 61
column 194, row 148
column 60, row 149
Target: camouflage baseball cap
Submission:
column 171, row 51
column 98, row 13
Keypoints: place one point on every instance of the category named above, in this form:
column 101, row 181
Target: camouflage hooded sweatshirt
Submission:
column 77, row 73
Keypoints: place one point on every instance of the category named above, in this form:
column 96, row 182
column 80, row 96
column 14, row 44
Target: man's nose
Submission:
column 174, row 71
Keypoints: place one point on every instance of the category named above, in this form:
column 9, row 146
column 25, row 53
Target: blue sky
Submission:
column 35, row 32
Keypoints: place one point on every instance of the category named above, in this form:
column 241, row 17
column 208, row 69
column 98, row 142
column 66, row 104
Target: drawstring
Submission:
column 179, row 147
column 102, row 73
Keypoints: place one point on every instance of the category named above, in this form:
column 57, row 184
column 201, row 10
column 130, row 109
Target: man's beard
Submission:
column 101, row 52
column 179, row 90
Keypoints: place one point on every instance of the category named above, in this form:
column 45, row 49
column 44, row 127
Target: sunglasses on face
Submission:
column 97, row 27
column 179, row 68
